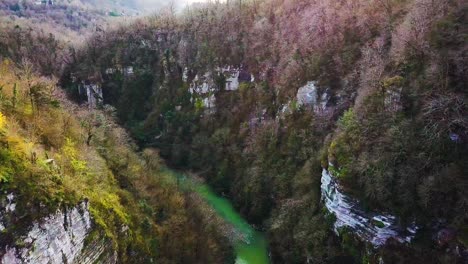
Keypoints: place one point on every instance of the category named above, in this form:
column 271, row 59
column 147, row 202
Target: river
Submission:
column 251, row 250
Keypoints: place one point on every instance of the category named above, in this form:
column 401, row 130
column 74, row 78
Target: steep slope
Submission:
column 259, row 97
column 73, row 188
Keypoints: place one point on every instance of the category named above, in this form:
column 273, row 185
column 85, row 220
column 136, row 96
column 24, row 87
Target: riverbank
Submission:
column 250, row 245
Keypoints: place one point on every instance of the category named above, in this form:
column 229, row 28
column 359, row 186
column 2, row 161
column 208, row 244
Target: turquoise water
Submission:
column 252, row 249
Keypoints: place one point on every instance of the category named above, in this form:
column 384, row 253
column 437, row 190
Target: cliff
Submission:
column 62, row 237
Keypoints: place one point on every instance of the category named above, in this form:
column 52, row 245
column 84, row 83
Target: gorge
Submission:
column 253, row 131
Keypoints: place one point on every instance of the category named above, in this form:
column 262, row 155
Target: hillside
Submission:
column 258, row 98
column 337, row 129
column 67, row 20
column 55, row 155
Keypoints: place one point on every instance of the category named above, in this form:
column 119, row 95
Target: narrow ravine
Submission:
column 252, row 248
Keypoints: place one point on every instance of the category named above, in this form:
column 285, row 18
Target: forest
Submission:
column 256, row 98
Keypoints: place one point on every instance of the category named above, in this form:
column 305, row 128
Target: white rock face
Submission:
column 110, row 71
column 308, row 96
column 8, row 207
column 185, row 74
column 11, row 205
column 94, row 93
column 371, row 227
column 58, row 238
column 203, row 85
column 393, row 100
column 128, row 71
column 235, row 76
column 232, row 77
column 210, row 101
column 232, row 82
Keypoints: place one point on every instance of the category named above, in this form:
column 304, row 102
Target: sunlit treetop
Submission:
column 2, row 121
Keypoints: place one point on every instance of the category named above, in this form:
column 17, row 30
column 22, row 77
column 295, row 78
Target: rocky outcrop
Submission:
column 58, row 238
column 203, row 86
column 308, row 96
column 375, row 228
column 92, row 92
column 235, row 76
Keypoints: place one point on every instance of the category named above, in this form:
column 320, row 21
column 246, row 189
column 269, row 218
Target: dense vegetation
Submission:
column 65, row 18
column 45, row 35
column 55, row 154
column 395, row 127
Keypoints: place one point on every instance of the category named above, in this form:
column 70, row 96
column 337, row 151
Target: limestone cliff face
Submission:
column 58, row 238
column 373, row 227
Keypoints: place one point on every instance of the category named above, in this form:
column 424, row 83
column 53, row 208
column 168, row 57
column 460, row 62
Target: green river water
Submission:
column 253, row 249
